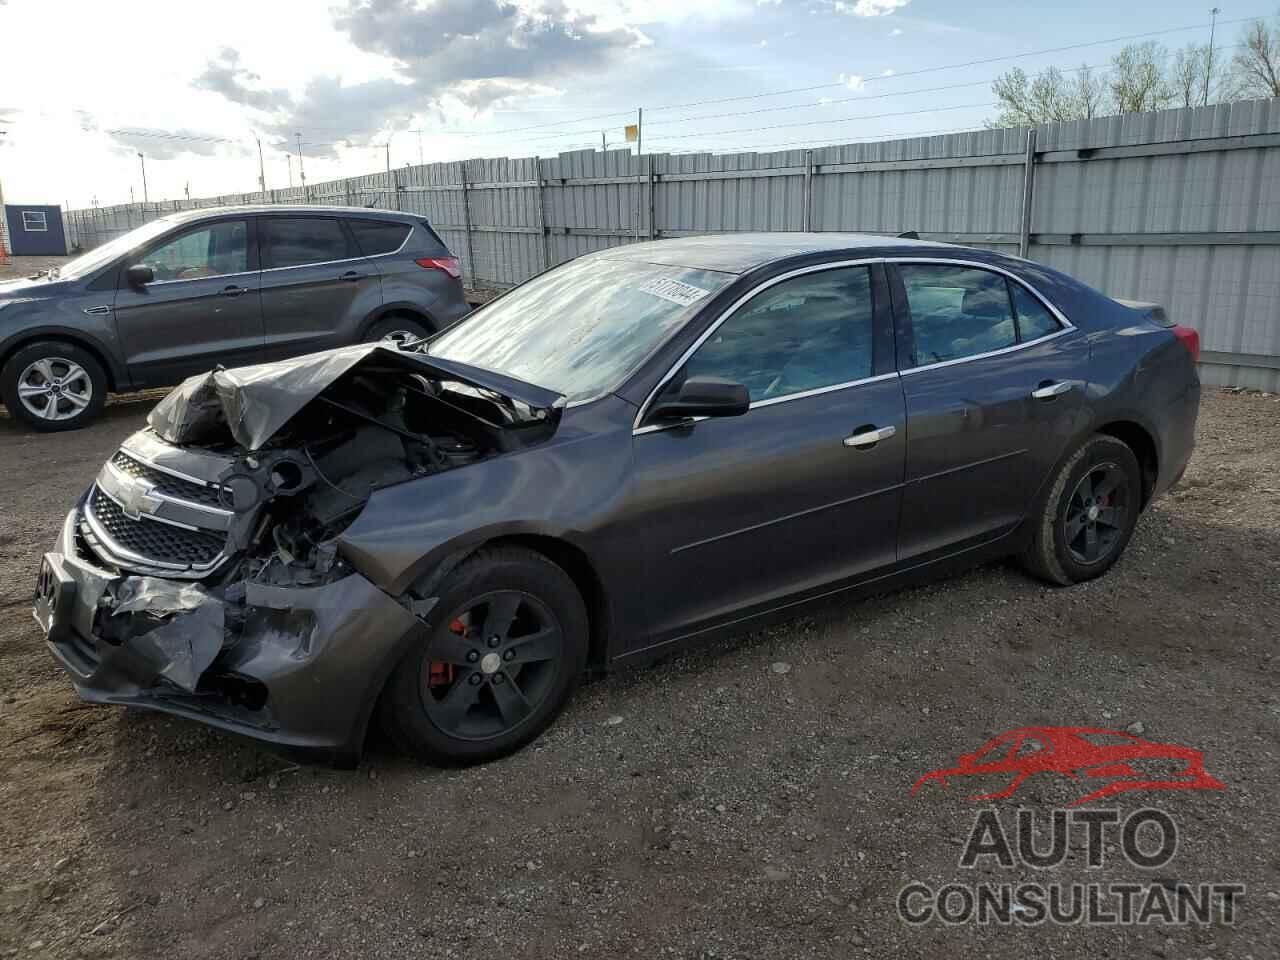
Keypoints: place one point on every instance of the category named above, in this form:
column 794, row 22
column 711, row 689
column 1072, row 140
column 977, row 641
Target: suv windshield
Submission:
column 582, row 328
column 101, row 256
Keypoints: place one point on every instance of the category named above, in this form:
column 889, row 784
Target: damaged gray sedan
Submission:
column 644, row 447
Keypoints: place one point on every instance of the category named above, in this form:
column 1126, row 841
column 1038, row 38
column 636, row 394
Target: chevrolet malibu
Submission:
column 637, row 450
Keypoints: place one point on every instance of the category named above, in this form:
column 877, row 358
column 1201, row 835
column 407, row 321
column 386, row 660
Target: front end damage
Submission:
column 202, row 574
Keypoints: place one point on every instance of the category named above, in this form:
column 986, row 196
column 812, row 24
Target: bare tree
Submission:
column 1052, row 97
column 1091, row 92
column 1256, row 66
column 1137, row 78
column 1189, row 73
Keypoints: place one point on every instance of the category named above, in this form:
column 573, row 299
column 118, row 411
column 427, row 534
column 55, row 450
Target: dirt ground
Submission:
column 715, row 806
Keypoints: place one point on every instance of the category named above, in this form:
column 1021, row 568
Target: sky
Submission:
column 195, row 87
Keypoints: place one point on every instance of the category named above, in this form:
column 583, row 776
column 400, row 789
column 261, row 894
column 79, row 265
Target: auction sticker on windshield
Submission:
column 674, row 290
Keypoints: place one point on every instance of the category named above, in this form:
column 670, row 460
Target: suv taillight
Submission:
column 1189, row 339
column 449, row 265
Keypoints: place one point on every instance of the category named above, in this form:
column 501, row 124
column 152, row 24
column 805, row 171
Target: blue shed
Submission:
column 35, row 231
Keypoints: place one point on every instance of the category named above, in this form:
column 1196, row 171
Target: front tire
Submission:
column 1085, row 519
column 507, row 648
column 54, row 385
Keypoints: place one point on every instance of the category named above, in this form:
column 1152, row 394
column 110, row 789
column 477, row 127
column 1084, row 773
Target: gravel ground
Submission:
column 717, row 805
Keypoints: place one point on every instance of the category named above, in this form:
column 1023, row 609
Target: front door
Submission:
column 994, row 387
column 803, row 490
column 201, row 309
column 316, row 287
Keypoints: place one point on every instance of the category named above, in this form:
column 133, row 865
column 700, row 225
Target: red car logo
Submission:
column 1080, row 753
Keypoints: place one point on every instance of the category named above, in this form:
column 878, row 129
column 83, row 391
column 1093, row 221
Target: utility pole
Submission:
column 639, row 164
column 1208, row 60
column 288, row 158
column 262, row 170
column 302, row 176
column 144, row 177
column 604, row 142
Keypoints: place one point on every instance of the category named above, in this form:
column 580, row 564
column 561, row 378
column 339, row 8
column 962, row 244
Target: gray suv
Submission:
column 230, row 286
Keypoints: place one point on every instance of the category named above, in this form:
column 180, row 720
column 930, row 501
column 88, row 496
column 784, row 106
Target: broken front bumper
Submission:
column 299, row 668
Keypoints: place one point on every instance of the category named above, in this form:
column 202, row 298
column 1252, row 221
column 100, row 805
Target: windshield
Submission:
column 101, row 256
column 582, row 328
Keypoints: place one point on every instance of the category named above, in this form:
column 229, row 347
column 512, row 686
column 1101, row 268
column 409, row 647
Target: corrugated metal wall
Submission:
column 1181, row 207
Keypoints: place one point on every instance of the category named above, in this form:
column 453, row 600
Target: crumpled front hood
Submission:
column 257, row 401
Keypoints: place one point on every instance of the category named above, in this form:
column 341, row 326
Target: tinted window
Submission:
column 293, row 241
column 956, row 311
column 208, row 251
column 378, row 236
column 802, row 334
column 1034, row 321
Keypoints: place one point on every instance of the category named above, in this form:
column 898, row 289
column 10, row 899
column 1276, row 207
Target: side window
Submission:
column 295, row 241
column 808, row 332
column 208, row 251
column 378, row 236
column 956, row 311
column 1034, row 321
column 34, row 221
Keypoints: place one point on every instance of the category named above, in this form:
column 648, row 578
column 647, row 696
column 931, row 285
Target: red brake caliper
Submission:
column 440, row 674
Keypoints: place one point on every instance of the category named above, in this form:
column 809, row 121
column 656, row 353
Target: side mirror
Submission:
column 139, row 275
column 703, row 397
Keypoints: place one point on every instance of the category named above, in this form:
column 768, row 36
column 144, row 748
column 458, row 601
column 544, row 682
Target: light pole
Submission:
column 302, row 176
column 143, row 160
column 1208, row 60
column 262, row 170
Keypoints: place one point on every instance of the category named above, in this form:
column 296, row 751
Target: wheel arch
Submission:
column 1142, row 442
column 115, row 377
column 399, row 309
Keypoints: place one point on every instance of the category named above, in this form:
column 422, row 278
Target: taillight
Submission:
column 1189, row 339
column 449, row 265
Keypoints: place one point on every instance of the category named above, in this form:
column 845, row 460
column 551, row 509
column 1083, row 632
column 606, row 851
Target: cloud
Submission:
column 895, row 32
column 870, row 8
column 762, row 43
column 854, row 81
column 888, row 73
column 448, row 56
column 227, row 77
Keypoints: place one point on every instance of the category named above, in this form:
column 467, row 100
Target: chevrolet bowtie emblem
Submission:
column 136, row 499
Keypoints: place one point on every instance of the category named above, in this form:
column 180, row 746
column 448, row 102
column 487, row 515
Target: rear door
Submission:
column 994, row 381
column 738, row 512
column 317, row 288
column 202, row 308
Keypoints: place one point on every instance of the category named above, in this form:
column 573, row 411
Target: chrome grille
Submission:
column 167, row 483
column 151, row 540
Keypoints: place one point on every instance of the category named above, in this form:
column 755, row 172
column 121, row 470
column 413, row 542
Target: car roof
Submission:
column 287, row 209
column 741, row 252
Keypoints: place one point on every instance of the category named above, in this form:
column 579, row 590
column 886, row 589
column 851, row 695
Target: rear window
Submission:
column 378, row 236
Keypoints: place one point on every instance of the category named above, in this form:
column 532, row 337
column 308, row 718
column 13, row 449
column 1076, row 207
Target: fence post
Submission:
column 1028, row 194
column 652, row 232
column 543, row 232
column 466, row 222
column 395, row 184
column 807, row 219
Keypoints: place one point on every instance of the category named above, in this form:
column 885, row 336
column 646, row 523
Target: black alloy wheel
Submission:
column 1097, row 514
column 499, row 663
column 492, row 664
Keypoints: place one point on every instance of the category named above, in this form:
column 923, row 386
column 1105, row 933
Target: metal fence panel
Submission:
column 1181, row 207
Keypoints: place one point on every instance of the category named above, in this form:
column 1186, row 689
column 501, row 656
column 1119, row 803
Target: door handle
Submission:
column 234, row 291
column 869, row 438
column 351, row 276
column 1048, row 390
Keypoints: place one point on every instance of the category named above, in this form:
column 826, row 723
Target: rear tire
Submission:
column 1084, row 520
column 507, row 648
column 398, row 328
column 53, row 385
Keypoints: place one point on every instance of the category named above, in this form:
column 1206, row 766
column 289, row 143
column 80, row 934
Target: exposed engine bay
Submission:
column 211, row 537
